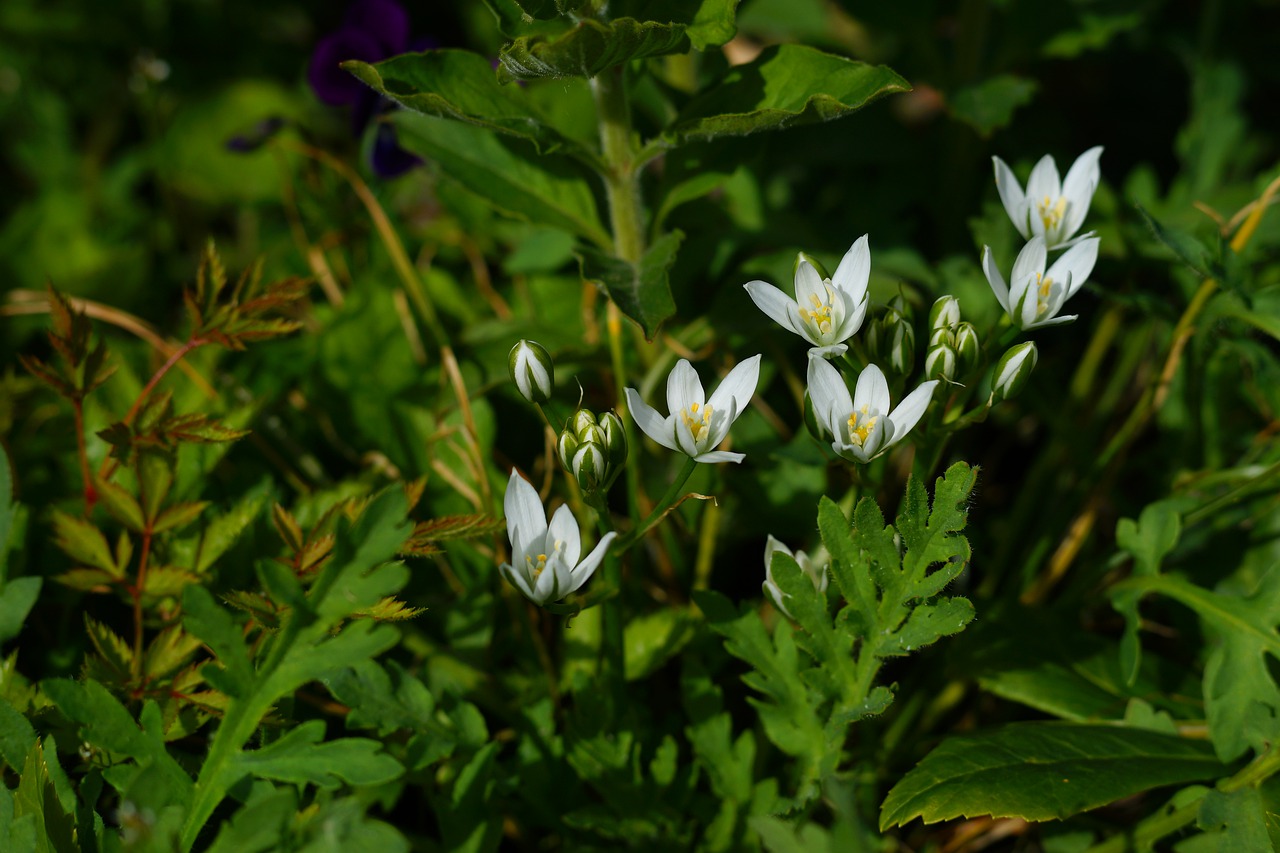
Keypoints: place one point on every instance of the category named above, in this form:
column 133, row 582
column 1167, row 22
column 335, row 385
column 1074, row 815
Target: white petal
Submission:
column 526, row 519
column 808, row 283
column 737, row 387
column 685, row 442
column 717, row 429
column 828, row 393
column 879, row 439
column 1028, row 307
column 994, row 278
column 1044, row 182
column 772, row 546
column 1052, row 321
column 584, row 570
column 1081, row 182
column 1078, row 261
column 517, row 579
column 650, row 422
column 872, row 390
column 833, row 351
column 850, row 451
column 911, row 409
column 1012, row 196
column 855, row 313
column 711, row 457
column 563, row 532
column 775, row 595
column 548, row 584
column 854, row 272
column 684, row 388
column 777, row 305
column 1030, row 261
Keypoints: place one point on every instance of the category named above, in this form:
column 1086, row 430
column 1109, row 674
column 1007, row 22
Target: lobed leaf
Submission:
column 302, row 756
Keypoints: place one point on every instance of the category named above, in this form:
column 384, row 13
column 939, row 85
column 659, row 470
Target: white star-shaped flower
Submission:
column 696, row 425
column 862, row 427
column 825, row 312
column 1034, row 297
column 1050, row 208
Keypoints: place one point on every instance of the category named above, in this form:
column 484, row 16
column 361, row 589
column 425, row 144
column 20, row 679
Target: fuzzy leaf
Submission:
column 642, row 291
column 457, row 527
column 589, row 48
column 1043, row 771
column 83, row 542
column 786, row 86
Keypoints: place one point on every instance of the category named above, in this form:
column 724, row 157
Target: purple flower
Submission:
column 372, row 30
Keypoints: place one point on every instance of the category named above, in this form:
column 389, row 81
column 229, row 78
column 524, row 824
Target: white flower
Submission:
column 862, row 426
column 696, row 426
column 825, row 312
column 809, row 565
column 1050, row 208
column 1034, row 297
column 544, row 558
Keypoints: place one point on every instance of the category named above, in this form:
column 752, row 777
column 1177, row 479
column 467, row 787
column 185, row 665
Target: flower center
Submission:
column 1044, row 284
column 819, row 315
column 861, row 422
column 538, row 564
column 697, row 422
column 1052, row 211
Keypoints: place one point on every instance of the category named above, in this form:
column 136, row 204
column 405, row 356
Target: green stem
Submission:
column 621, row 180
column 665, row 503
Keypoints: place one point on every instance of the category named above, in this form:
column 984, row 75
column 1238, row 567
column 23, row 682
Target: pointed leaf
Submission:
column 178, row 516
column 17, row 597
column 83, row 542
column 642, row 291
column 300, row 757
column 1043, row 771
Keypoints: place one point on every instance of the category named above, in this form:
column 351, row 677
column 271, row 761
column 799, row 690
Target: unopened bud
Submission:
column 588, row 466
column 566, row 446
column 811, row 422
column 581, row 419
column 968, row 347
column 813, row 262
column 940, row 363
column 945, row 313
column 1013, row 370
column 533, row 371
column 902, row 347
column 615, row 440
column 941, row 336
column 592, row 433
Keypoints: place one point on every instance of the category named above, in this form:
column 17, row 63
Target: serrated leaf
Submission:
column 114, row 651
column 169, row 651
column 390, row 609
column 233, row 673
column 590, row 47
column 300, row 757
column 642, row 291
column 37, row 797
column 216, row 538
column 287, row 527
column 177, row 516
column 929, row 623
column 123, row 506
column 1043, row 771
column 786, row 86
column 549, row 190
column 165, row 581
column 383, row 699
column 457, row 527
column 83, row 542
column 460, row 85
column 89, row 580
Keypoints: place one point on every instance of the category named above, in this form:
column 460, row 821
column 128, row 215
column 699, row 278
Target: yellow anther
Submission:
column 697, row 422
column 1051, row 211
column 537, row 567
column 861, row 423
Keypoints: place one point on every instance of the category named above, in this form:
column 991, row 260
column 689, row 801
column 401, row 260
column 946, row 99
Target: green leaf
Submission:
column 1186, row 248
column 1043, row 771
column 259, row 826
column 642, row 291
column 17, row 597
column 929, row 623
column 1238, row 817
column 178, row 515
column 302, row 756
column 990, row 105
column 551, row 191
column 786, row 86
column 460, row 85
column 1242, row 700
column 589, row 48
column 653, row 639
column 17, row 736
column 37, row 797
column 83, row 542
column 123, row 506
column 1149, row 539
column 203, row 550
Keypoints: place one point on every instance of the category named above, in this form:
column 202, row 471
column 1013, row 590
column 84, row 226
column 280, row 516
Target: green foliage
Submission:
column 1043, row 771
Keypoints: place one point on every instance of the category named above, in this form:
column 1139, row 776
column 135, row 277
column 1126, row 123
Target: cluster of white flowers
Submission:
column 1047, row 215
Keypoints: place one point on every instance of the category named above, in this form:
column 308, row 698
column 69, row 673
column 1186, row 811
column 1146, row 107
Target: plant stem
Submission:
column 621, row 178
column 660, row 509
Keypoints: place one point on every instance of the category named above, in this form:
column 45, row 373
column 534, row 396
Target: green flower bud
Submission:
column 968, row 347
column 581, row 419
column 588, row 466
column 812, row 423
column 940, row 363
column 1013, row 370
column 592, row 433
column 805, row 256
column 902, row 347
column 566, row 446
column 945, row 313
column 533, row 370
column 615, row 441
column 941, row 337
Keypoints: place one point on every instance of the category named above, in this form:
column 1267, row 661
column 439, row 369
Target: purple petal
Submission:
column 387, row 158
column 386, row 21
column 330, row 83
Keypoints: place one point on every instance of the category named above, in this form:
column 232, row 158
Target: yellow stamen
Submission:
column 1043, row 286
column 697, row 422
column 861, row 423
column 820, row 316
column 1051, row 211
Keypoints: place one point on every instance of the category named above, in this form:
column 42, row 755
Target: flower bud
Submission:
column 592, row 433
column 811, row 422
column 533, row 370
column 967, row 346
column 814, row 567
column 581, row 419
column 1012, row 371
column 615, row 441
column 588, row 466
column 814, row 262
column 941, row 336
column 945, row 313
column 940, row 363
column 566, row 446
column 902, row 346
